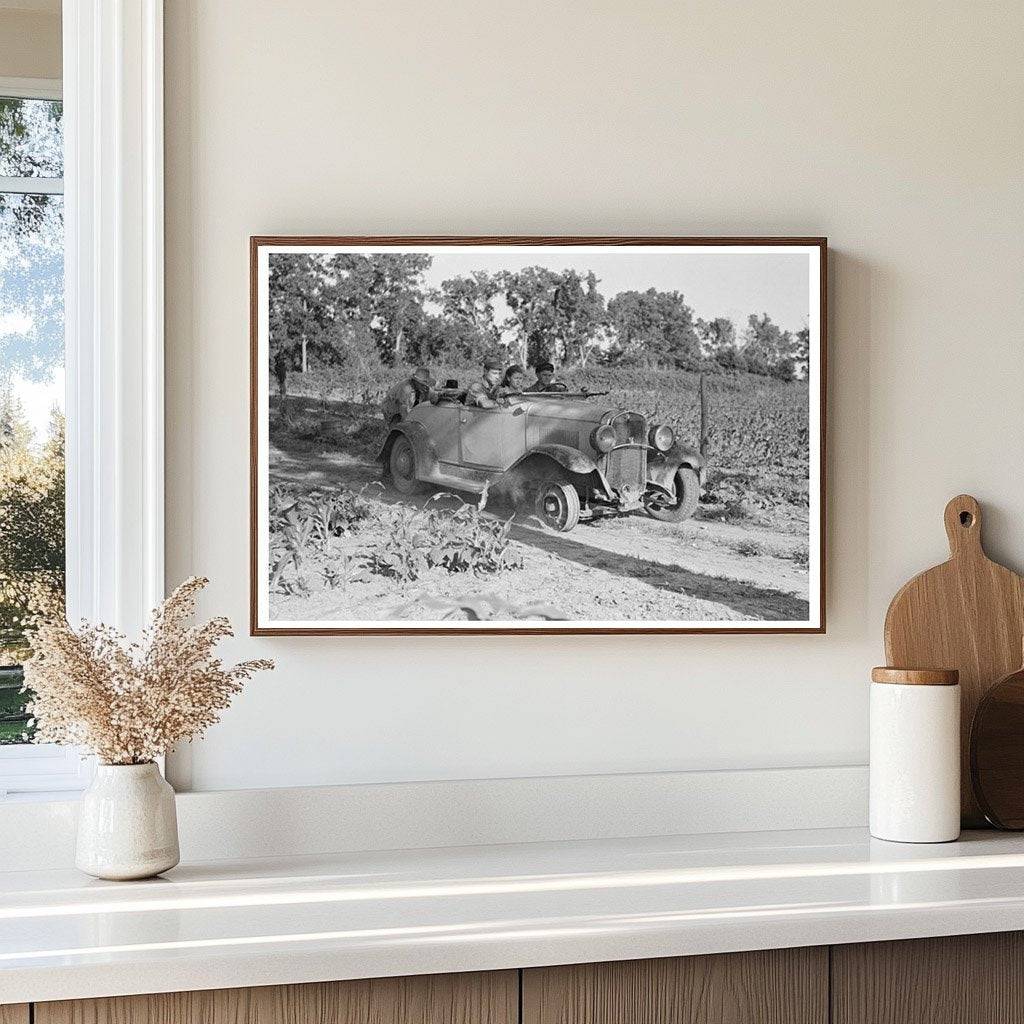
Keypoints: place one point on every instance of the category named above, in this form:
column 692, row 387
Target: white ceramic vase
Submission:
column 127, row 825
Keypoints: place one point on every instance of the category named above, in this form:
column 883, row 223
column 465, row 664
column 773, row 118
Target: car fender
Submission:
column 422, row 446
column 571, row 459
column 689, row 457
column 662, row 466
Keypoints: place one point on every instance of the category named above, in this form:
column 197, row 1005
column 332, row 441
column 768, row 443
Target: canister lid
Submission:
column 916, row 676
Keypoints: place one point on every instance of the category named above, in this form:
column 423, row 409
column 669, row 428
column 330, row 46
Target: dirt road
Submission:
column 627, row 568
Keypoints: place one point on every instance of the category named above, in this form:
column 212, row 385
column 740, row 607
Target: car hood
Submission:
column 576, row 410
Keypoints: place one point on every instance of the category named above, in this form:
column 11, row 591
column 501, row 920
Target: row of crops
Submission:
column 753, row 421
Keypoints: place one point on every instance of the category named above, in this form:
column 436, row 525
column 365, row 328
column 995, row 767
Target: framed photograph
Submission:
column 537, row 435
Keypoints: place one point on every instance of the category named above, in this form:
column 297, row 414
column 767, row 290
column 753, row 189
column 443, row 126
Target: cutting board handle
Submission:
column 963, row 526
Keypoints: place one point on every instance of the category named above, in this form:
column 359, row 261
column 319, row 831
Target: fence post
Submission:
column 703, row 444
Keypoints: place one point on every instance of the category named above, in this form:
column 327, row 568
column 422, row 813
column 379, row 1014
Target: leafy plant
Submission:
column 403, row 555
column 749, row 548
column 736, row 511
column 341, row 572
column 305, row 524
column 466, row 540
column 457, row 540
column 801, row 556
column 288, row 550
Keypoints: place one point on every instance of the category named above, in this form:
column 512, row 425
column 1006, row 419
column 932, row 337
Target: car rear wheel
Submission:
column 687, row 496
column 402, row 466
column 558, row 505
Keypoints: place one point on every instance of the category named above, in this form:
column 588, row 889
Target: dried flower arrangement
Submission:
column 129, row 703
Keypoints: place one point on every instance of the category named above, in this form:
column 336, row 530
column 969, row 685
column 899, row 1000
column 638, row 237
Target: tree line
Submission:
column 365, row 312
column 31, row 524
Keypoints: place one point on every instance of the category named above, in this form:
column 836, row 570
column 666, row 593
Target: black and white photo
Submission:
column 580, row 435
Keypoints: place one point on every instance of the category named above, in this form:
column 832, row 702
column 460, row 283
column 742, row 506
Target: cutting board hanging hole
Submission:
column 963, row 525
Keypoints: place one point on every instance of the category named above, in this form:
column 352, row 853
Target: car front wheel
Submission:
column 402, row 466
column 687, row 496
column 558, row 506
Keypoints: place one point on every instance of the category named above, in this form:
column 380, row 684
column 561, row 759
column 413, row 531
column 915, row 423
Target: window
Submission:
column 32, row 548
column 91, row 171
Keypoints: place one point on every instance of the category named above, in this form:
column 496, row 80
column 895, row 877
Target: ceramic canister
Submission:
column 915, row 755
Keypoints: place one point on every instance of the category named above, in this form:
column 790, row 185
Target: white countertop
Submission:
column 261, row 922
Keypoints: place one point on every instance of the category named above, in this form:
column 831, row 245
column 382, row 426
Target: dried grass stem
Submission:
column 129, row 703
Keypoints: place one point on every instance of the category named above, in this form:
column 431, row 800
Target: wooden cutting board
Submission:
column 967, row 614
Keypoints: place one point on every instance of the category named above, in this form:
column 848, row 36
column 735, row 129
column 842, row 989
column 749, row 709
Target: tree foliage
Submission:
column 31, row 524
column 31, row 138
column 325, row 301
column 716, row 335
column 372, row 312
column 530, row 294
column 765, row 343
column 580, row 317
column 802, row 350
column 654, row 329
column 469, row 317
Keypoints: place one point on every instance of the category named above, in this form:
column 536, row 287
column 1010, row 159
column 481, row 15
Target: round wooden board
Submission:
column 997, row 753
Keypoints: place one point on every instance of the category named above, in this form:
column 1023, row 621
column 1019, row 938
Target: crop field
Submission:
column 345, row 547
column 756, row 434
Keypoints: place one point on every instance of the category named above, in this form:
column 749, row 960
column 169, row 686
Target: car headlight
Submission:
column 603, row 438
column 662, row 438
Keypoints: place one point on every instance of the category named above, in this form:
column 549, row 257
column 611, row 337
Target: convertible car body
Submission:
column 568, row 457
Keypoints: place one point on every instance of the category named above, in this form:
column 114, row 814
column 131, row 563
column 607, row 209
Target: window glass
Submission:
column 31, row 388
column 31, row 138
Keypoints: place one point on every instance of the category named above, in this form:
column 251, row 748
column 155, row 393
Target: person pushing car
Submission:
column 401, row 398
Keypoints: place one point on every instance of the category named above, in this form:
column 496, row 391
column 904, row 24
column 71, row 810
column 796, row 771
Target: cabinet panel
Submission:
column 778, row 986
column 962, row 979
column 14, row 1013
column 481, row 998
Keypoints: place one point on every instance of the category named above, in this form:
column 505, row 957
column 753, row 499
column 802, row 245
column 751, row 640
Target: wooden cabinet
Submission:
column 777, row 986
column 963, row 979
column 491, row 998
column 970, row 979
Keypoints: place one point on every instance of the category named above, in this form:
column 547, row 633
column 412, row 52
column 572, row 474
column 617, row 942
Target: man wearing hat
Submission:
column 407, row 393
column 546, row 379
column 485, row 393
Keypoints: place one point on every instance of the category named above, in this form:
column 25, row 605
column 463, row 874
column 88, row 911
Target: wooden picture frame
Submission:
column 815, row 249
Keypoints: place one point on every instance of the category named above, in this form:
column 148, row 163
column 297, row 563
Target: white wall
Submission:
column 895, row 129
column 30, row 39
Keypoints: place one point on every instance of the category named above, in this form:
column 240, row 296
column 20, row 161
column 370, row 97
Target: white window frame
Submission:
column 32, row 88
column 114, row 325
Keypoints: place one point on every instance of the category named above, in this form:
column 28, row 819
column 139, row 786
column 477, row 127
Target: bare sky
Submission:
column 731, row 284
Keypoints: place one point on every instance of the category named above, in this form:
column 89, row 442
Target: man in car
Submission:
column 399, row 401
column 486, row 392
column 546, row 379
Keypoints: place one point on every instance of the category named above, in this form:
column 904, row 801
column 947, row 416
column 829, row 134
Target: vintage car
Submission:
column 566, row 456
